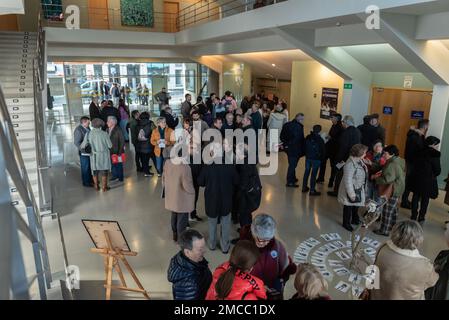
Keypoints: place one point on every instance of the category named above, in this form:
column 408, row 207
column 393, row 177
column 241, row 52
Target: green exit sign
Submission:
column 348, row 86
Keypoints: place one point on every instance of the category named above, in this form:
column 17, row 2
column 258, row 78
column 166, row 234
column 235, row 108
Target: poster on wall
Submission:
column 329, row 102
column 137, row 13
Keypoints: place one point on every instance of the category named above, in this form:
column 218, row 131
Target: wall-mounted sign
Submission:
column 347, row 86
column 329, row 102
column 388, row 110
column 408, row 82
column 417, row 115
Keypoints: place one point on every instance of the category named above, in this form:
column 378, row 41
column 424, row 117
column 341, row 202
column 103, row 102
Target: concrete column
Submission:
column 356, row 98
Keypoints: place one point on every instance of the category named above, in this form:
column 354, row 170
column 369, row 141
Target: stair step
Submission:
column 15, row 84
column 21, row 126
column 8, row 68
column 23, row 95
column 18, row 90
column 17, row 77
column 24, row 109
column 19, row 117
column 19, row 101
column 25, row 135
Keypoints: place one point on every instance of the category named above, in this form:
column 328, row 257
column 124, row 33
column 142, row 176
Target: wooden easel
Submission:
column 112, row 257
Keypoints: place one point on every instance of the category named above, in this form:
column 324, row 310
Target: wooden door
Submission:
column 99, row 14
column 384, row 99
column 8, row 22
column 411, row 101
column 171, row 10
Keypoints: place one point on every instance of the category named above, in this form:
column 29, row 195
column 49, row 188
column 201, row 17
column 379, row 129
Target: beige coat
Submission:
column 404, row 274
column 179, row 190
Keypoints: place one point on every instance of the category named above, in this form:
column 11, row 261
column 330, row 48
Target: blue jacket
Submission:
column 292, row 135
column 315, row 147
column 190, row 280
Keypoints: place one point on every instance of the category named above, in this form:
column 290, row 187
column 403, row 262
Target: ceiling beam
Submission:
column 428, row 57
column 346, row 35
column 433, row 26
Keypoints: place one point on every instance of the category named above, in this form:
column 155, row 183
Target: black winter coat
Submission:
column 190, row 280
column 332, row 144
column 219, row 181
column 249, row 191
column 440, row 291
column 315, row 147
column 426, row 169
column 172, row 123
column 292, row 135
column 94, row 111
column 350, row 137
column 413, row 146
column 110, row 111
column 370, row 134
column 147, row 126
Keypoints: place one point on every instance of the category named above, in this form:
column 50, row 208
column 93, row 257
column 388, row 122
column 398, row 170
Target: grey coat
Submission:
column 100, row 142
column 355, row 175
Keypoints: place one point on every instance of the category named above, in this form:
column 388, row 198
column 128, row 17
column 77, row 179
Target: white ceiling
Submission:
column 261, row 62
column 423, row 8
column 380, row 58
column 11, row 7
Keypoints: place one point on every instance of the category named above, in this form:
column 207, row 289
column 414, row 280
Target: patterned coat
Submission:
column 100, row 142
column 355, row 175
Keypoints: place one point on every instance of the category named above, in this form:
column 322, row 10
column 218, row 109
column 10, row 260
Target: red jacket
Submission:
column 245, row 286
column 274, row 262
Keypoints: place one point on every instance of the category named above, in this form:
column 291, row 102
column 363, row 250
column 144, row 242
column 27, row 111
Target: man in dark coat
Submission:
column 350, row 137
column 188, row 270
column 118, row 147
column 292, row 137
column 144, row 149
column 413, row 146
column 219, row 181
column 108, row 110
column 171, row 121
column 94, row 109
column 423, row 179
column 331, row 150
column 370, row 134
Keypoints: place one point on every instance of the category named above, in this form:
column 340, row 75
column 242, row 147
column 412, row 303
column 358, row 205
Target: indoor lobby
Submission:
column 356, row 66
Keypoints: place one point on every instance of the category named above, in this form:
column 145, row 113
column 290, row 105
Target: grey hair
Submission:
column 97, row 123
column 349, row 120
column 263, row 226
column 407, row 234
column 112, row 118
column 187, row 238
column 160, row 119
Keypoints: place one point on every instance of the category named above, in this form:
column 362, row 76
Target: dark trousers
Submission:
column 322, row 173
column 422, row 202
column 137, row 159
column 179, row 222
column 311, row 165
column 406, row 194
column 350, row 215
column 86, row 174
column 291, row 171
column 117, row 171
column 245, row 218
column 338, row 177
column 144, row 159
column 197, row 194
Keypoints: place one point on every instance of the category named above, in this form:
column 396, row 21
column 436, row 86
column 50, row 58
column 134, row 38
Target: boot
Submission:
column 104, row 183
column 96, row 186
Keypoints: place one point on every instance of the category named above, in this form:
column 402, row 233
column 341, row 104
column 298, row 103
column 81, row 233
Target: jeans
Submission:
column 160, row 163
column 423, row 203
column 179, row 222
column 123, row 124
column 311, row 165
column 225, row 222
column 86, row 174
column 291, row 171
column 117, row 171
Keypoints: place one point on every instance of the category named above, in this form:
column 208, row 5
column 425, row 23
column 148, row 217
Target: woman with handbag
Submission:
column 423, row 179
column 391, row 185
column 352, row 190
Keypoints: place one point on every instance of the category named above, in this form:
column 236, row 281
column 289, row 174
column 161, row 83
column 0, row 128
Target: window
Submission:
column 178, row 78
column 190, row 80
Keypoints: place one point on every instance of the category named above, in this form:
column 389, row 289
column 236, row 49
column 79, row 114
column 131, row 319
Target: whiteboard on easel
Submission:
column 96, row 229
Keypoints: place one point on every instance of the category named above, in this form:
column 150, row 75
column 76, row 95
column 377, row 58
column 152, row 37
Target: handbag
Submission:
column 118, row 158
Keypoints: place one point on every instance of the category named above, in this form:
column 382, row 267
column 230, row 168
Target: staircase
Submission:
column 17, row 51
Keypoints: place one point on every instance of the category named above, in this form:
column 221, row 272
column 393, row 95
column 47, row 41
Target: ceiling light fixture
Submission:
column 273, row 65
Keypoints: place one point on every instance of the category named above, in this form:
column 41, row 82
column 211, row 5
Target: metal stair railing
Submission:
column 13, row 277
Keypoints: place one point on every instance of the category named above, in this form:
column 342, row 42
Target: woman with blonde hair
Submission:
column 309, row 284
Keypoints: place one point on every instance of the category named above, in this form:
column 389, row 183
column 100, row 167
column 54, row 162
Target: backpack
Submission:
column 85, row 146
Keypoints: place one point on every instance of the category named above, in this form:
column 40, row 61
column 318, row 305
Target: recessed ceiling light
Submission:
column 273, row 65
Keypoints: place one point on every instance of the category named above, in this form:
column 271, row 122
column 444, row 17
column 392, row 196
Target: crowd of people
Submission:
column 362, row 168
